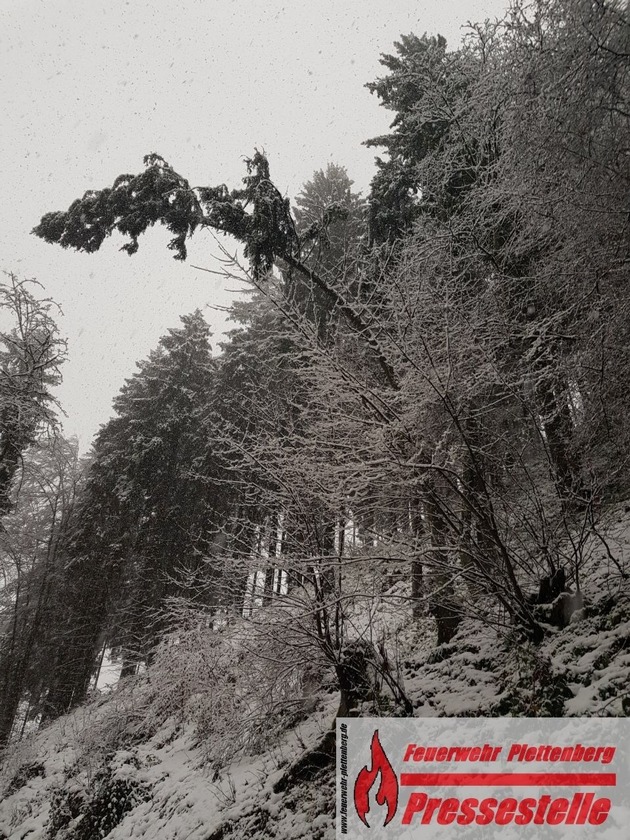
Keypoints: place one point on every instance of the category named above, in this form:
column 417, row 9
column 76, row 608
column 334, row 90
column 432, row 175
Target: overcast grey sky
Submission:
column 89, row 87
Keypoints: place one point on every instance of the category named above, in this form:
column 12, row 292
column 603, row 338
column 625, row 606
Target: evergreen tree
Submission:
column 153, row 462
column 330, row 220
column 419, row 88
column 492, row 325
column 331, row 189
column 149, row 516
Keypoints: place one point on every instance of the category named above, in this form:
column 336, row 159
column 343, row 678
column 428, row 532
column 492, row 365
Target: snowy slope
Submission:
column 104, row 771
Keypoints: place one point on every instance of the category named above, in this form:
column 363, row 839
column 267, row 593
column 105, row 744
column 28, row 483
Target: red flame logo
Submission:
column 387, row 793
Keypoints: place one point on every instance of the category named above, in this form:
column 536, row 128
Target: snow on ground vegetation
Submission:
column 232, row 738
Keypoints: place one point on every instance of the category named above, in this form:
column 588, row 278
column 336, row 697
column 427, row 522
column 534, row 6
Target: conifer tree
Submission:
column 149, row 515
column 330, row 220
column 486, row 325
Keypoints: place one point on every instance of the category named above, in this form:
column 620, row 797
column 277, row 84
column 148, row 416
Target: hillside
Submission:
column 147, row 761
column 397, row 486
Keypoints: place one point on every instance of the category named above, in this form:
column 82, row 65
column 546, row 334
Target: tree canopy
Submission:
column 435, row 381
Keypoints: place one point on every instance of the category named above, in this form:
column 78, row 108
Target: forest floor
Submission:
column 66, row 782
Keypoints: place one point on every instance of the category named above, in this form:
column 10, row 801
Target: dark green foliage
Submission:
column 24, row 774
column 539, row 691
column 421, row 88
column 259, row 398
column 267, row 230
column 130, row 206
column 154, row 502
column 256, row 215
column 494, row 304
column 76, row 620
column 356, row 674
column 89, row 814
column 65, row 806
column 393, row 201
column 148, row 521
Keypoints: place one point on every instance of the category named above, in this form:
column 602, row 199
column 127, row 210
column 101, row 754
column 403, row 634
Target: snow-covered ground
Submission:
column 117, row 768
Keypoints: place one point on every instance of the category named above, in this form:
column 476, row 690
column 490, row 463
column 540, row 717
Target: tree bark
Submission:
column 442, row 600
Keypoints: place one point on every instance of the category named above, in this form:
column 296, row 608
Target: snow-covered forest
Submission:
column 398, row 487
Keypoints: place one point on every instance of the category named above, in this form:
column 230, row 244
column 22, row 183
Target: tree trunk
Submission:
column 417, row 576
column 11, row 695
column 442, row 601
column 558, row 427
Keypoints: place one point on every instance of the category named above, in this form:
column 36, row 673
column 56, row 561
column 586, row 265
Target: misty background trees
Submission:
column 426, row 391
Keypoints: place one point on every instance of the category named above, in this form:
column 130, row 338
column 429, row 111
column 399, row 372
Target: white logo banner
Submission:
column 504, row 778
